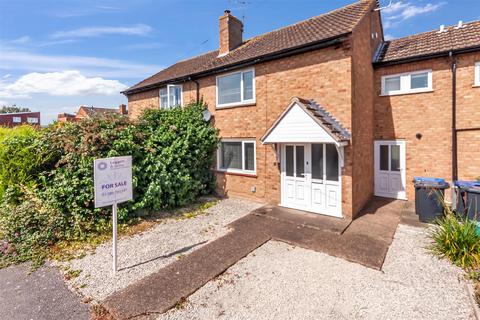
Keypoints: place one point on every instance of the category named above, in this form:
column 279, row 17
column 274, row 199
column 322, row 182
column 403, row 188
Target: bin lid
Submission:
column 430, row 182
column 464, row 184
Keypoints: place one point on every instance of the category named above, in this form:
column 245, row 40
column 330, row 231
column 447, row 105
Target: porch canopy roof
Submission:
column 304, row 121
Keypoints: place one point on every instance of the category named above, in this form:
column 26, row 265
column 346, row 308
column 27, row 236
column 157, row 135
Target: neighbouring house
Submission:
column 324, row 114
column 19, row 118
column 88, row 112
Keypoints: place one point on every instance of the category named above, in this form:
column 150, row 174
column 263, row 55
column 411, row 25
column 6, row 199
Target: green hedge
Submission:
column 48, row 183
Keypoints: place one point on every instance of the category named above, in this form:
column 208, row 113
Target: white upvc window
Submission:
column 32, row 120
column 16, row 119
column 404, row 83
column 237, row 155
column 171, row 96
column 236, row 88
column 477, row 74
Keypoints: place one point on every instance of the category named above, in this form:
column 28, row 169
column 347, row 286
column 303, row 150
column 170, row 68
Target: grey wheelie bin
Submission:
column 429, row 194
column 468, row 199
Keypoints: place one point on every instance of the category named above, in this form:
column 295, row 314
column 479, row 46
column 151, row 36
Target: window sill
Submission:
column 236, row 105
column 406, row 93
column 237, row 173
column 477, row 85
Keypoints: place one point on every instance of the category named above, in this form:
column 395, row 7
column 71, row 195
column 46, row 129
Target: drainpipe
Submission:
column 198, row 87
column 453, row 64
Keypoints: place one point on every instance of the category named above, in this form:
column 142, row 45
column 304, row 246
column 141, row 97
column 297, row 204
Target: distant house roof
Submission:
column 430, row 43
column 92, row 111
column 319, row 29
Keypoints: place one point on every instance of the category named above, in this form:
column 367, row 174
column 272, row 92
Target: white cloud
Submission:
column 13, row 59
column 6, row 76
column 21, row 40
column 401, row 10
column 65, row 83
column 139, row 29
column 389, row 37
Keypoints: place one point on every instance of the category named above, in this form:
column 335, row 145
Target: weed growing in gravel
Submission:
column 456, row 239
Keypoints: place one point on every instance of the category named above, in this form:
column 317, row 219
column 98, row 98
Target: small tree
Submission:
column 13, row 109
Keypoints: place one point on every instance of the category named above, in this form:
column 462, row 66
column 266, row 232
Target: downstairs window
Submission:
column 237, row 156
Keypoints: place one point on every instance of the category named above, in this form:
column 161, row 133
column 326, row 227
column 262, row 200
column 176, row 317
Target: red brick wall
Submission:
column 366, row 37
column 323, row 75
column 7, row 118
column 403, row 116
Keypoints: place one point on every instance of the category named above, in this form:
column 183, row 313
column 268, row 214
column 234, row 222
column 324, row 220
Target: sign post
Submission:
column 113, row 185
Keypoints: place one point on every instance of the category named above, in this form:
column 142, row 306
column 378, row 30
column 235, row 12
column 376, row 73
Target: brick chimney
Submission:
column 122, row 109
column 231, row 30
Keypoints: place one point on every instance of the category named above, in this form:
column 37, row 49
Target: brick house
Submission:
column 324, row 114
column 88, row 112
column 19, row 118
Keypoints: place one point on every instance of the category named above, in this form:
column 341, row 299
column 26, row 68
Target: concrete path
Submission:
column 365, row 241
column 41, row 295
column 163, row 290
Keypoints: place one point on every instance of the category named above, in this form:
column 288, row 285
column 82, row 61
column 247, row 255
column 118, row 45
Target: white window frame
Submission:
column 168, row 96
column 405, row 83
column 243, row 171
column 477, row 74
column 32, row 120
column 17, row 119
column 242, row 101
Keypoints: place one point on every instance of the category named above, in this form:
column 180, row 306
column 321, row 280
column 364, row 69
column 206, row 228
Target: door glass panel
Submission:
column 289, row 160
column 317, row 161
column 395, row 158
column 300, row 157
column 384, row 157
column 331, row 158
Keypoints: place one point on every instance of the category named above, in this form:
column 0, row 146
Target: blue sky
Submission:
column 58, row 54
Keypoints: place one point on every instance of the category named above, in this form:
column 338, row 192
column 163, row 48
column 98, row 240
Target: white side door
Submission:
column 390, row 169
column 295, row 188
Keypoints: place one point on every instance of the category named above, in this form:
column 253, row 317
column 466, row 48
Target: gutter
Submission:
column 249, row 62
column 379, row 64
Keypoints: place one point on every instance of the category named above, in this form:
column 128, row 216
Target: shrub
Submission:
column 456, row 238
column 20, row 161
column 48, row 178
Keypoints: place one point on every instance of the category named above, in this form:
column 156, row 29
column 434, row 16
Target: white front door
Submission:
column 311, row 178
column 390, row 169
column 295, row 178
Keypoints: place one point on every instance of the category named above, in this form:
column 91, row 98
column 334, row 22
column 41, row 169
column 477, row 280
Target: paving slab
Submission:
column 40, row 295
column 303, row 218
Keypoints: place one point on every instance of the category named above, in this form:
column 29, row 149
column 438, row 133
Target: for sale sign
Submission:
column 113, row 180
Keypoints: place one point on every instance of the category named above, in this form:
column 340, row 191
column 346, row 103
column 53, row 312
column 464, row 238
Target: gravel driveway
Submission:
column 278, row 281
column 145, row 253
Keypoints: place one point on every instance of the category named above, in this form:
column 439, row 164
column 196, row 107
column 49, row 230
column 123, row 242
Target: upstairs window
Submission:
column 236, row 88
column 237, row 156
column 32, row 120
column 170, row 96
column 477, row 74
column 413, row 82
column 16, row 119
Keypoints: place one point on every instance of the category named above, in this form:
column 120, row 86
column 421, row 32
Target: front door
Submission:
column 295, row 180
column 390, row 169
column 311, row 178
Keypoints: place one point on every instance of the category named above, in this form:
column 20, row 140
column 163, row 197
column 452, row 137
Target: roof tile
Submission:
column 326, row 26
column 431, row 42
